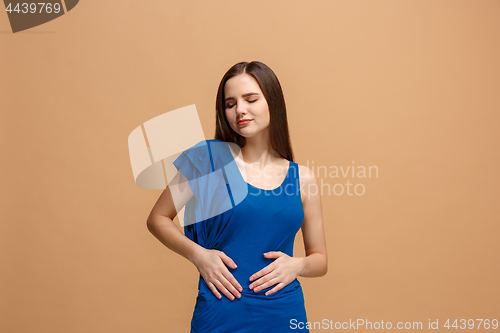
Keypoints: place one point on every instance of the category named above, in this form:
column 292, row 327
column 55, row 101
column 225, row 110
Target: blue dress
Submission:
column 244, row 222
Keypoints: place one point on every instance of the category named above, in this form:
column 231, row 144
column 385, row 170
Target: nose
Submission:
column 240, row 109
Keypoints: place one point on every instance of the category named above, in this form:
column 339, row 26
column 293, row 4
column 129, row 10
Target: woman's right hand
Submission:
column 211, row 265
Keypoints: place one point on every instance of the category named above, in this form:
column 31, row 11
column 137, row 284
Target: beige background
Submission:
column 408, row 86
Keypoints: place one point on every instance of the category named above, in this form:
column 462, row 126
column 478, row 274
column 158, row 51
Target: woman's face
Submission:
column 245, row 101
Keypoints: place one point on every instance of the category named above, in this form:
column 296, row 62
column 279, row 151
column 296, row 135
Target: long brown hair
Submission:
column 271, row 88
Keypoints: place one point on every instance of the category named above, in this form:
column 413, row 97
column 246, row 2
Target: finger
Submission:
column 269, row 283
column 234, row 283
column 273, row 254
column 269, row 268
column 228, row 282
column 228, row 261
column 214, row 290
column 223, row 289
column 259, row 282
column 275, row 289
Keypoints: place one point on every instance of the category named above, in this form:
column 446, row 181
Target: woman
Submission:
column 248, row 274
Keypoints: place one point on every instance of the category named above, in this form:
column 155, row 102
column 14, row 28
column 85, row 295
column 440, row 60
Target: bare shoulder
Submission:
column 306, row 175
column 307, row 180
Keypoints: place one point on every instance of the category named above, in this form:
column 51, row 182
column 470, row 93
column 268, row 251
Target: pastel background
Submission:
column 408, row 86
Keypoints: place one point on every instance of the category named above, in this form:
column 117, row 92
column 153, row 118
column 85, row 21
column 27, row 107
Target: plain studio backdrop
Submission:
column 408, row 87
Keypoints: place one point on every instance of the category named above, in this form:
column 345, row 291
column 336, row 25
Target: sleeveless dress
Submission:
column 244, row 223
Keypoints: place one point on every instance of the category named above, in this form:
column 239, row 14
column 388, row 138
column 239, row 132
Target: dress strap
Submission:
column 293, row 174
column 210, row 153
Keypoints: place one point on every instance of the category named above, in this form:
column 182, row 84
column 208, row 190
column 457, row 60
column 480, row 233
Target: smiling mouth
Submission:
column 244, row 122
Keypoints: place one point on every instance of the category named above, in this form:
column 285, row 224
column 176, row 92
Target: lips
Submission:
column 244, row 121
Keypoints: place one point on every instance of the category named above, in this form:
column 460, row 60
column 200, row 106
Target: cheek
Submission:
column 266, row 115
column 230, row 117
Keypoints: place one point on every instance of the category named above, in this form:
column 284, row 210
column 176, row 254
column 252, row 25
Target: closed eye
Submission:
column 231, row 105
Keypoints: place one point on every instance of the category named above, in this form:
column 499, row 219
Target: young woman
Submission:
column 248, row 274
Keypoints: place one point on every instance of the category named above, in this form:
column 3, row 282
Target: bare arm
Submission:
column 315, row 263
column 210, row 263
column 160, row 221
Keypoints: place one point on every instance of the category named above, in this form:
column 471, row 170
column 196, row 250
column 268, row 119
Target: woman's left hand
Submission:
column 281, row 271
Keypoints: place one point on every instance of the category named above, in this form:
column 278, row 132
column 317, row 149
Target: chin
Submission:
column 247, row 134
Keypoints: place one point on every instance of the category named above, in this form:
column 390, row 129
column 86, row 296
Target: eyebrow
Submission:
column 244, row 95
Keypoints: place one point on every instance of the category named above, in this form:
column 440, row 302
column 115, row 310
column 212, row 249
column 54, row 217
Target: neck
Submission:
column 258, row 149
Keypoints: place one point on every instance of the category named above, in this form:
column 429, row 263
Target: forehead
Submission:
column 241, row 84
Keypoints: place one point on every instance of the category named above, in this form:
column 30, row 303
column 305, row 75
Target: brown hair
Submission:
column 271, row 88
